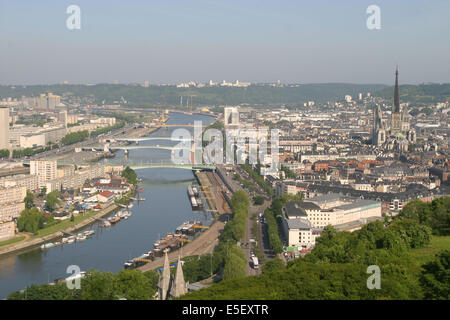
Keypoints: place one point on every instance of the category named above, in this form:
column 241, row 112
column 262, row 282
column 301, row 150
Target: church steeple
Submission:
column 164, row 279
column 396, row 96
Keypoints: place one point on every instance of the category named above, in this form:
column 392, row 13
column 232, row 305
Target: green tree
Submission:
column 98, row 285
column 29, row 200
column 273, row 265
column 235, row 264
column 132, row 284
column 258, row 200
column 43, row 191
column 435, row 278
column 130, row 175
column 52, row 200
column 31, row 220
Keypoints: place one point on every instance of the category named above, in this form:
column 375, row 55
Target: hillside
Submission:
column 254, row 95
column 422, row 93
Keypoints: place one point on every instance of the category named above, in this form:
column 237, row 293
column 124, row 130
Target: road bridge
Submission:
column 152, row 138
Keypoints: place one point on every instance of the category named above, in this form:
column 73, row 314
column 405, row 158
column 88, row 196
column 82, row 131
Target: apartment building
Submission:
column 7, row 230
column 46, row 170
column 303, row 221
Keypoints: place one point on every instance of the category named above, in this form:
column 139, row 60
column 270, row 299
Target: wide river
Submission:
column 165, row 208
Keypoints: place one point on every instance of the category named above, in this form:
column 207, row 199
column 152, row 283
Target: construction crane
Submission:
column 192, row 95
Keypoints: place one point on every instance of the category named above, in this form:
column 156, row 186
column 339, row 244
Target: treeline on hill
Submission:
column 422, row 93
column 149, row 97
column 337, row 266
column 74, row 137
column 129, row 284
column 435, row 214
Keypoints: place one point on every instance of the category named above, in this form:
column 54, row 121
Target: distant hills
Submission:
column 422, row 93
column 264, row 95
column 253, row 95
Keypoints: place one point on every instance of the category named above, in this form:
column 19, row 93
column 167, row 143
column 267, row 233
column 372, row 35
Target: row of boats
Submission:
column 194, row 197
column 121, row 215
column 170, row 242
column 68, row 240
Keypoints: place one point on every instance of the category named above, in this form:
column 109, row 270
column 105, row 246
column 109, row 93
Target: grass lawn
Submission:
column 438, row 243
column 11, row 241
column 63, row 224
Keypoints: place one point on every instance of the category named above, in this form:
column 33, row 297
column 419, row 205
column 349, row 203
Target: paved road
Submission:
column 253, row 212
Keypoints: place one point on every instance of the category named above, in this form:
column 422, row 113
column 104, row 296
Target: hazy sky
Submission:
column 168, row 41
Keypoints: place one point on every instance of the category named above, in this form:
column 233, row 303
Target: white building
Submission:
column 46, row 170
column 302, row 221
column 4, row 128
column 231, row 116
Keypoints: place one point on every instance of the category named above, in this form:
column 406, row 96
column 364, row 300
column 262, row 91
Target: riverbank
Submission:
column 33, row 242
column 207, row 240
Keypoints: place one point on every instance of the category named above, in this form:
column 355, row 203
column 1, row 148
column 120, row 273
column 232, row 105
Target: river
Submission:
column 165, row 208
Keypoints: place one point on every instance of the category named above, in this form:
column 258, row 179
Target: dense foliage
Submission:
column 337, row 268
column 4, row 153
column 435, row 278
column 27, row 152
column 227, row 256
column 127, row 284
column 75, row 137
column 423, row 93
column 273, row 216
column 435, row 214
column 130, row 175
column 289, row 174
column 29, row 200
column 52, row 200
column 254, row 174
column 31, row 220
column 258, row 200
column 235, row 228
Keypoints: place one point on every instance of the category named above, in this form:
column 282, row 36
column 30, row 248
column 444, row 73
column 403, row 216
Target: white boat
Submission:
column 47, row 245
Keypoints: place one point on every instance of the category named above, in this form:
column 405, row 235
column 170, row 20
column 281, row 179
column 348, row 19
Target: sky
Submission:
column 173, row 41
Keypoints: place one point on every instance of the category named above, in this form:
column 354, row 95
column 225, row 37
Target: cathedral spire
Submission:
column 396, row 97
column 179, row 285
column 164, row 280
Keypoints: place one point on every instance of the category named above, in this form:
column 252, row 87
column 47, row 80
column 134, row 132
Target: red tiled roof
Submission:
column 106, row 194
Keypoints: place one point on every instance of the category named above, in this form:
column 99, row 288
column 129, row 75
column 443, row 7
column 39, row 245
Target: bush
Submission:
column 31, row 220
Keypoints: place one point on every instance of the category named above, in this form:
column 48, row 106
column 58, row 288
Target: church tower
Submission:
column 396, row 125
